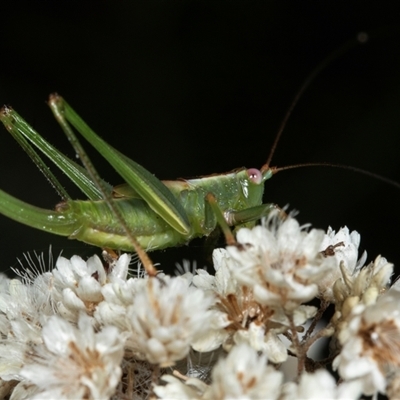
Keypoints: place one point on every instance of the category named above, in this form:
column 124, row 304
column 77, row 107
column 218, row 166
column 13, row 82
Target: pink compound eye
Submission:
column 255, row 175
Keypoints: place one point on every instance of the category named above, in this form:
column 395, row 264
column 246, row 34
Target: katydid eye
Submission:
column 254, row 175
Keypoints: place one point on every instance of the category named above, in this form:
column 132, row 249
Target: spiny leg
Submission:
column 55, row 103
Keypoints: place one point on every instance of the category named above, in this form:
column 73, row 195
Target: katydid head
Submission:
column 257, row 177
column 254, row 175
column 260, row 176
column 252, row 182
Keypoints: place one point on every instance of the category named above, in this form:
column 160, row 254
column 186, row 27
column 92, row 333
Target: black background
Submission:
column 190, row 88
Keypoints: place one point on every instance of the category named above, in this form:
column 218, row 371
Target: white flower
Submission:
column 244, row 375
column 281, row 262
column 191, row 389
column 118, row 296
column 371, row 343
column 22, row 391
column 267, row 342
column 75, row 362
column 78, row 283
column 363, row 285
column 232, row 309
column 236, row 316
column 88, row 331
column 166, row 316
column 343, row 247
column 320, row 385
column 241, row 316
column 21, row 319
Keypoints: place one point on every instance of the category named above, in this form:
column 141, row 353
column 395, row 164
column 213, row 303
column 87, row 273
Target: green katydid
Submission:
column 145, row 213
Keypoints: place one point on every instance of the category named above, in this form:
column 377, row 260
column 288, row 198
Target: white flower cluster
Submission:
column 87, row 330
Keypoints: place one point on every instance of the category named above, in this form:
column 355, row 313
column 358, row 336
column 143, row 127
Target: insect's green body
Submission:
column 157, row 214
column 94, row 222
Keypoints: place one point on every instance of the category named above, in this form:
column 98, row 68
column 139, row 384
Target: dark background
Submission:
column 190, row 88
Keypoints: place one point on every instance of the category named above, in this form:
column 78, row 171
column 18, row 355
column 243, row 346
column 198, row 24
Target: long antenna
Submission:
column 360, row 39
column 348, row 167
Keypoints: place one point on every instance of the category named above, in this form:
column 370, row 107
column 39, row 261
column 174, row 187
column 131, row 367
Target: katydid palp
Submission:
column 156, row 214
